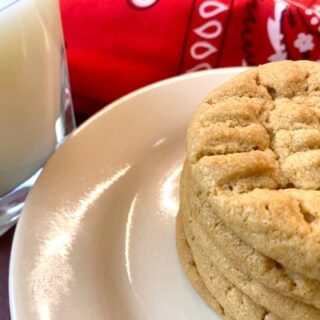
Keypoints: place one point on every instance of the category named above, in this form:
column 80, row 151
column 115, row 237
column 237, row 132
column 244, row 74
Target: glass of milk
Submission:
column 35, row 103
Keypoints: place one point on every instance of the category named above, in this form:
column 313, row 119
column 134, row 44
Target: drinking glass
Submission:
column 36, row 111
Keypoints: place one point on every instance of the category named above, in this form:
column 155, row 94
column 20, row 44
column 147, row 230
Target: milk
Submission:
column 30, row 77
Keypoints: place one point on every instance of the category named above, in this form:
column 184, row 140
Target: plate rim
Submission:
column 110, row 106
column 90, row 121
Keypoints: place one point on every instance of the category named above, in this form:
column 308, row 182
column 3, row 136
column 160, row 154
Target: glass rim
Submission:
column 4, row 4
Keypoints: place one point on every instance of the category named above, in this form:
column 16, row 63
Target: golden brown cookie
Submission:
column 205, row 251
column 250, row 261
column 231, row 300
column 250, row 194
column 253, row 148
column 191, row 270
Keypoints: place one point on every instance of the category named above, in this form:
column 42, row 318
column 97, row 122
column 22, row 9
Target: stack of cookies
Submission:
column 248, row 230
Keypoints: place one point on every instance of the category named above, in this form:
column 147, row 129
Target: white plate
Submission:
column 97, row 237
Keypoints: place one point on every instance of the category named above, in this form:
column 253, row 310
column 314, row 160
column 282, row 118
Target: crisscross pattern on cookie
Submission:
column 254, row 150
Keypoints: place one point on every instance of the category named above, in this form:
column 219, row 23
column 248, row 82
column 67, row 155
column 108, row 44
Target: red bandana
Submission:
column 115, row 47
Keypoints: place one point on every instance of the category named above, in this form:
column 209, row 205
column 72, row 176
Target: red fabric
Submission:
column 114, row 47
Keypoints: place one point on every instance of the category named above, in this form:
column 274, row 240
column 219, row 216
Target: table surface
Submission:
column 5, row 247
